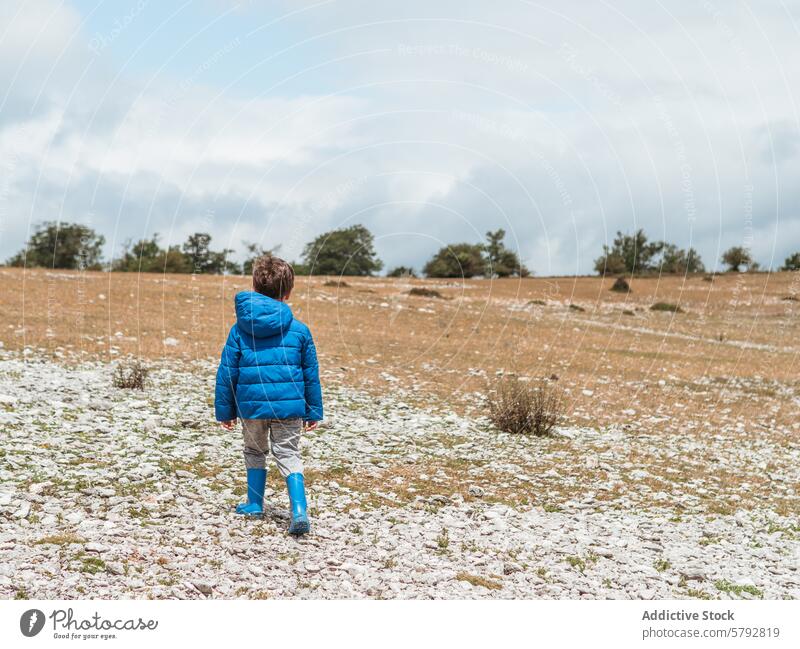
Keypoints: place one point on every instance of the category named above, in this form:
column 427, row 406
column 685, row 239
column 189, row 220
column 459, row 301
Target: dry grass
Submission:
column 477, row 580
column 445, row 349
column 60, row 539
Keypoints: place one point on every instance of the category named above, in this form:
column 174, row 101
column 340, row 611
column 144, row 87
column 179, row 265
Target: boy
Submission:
column 268, row 376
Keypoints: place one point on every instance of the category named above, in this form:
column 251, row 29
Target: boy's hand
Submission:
column 227, row 425
column 311, row 425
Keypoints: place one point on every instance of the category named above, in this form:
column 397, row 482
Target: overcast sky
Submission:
column 429, row 122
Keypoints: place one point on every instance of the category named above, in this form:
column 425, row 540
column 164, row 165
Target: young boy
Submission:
column 268, row 376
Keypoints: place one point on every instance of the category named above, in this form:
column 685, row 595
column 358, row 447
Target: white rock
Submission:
column 98, row 548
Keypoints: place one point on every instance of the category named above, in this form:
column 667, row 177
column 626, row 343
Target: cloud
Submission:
column 428, row 122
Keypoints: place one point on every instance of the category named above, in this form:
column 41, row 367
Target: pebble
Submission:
column 98, row 548
column 203, row 586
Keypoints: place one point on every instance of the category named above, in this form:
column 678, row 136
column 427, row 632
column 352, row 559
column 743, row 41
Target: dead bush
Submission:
column 130, row 376
column 522, row 407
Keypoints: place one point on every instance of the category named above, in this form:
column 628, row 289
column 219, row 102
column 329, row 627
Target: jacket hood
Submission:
column 261, row 316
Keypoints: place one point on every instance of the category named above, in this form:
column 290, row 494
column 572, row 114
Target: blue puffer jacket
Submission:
column 268, row 368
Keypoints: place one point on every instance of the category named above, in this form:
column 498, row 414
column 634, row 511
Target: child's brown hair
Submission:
column 273, row 277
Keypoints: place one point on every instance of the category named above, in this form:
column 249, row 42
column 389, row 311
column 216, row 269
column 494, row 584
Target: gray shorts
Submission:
column 282, row 435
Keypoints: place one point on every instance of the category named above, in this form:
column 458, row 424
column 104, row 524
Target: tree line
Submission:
column 345, row 251
column 635, row 254
column 350, row 251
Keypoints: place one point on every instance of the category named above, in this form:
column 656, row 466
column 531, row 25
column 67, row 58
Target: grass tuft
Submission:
column 476, row 580
column 131, row 376
column 60, row 539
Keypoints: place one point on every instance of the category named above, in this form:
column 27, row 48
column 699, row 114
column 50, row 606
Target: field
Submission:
column 674, row 474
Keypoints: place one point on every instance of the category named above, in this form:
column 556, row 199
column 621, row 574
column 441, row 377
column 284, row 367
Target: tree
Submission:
column 735, row 257
column 502, row 262
column 679, row 261
column 629, row 253
column 254, row 251
column 203, row 260
column 347, row 251
column 457, row 260
column 401, row 271
column 61, row 245
column 146, row 256
column 792, row 262
column 610, row 263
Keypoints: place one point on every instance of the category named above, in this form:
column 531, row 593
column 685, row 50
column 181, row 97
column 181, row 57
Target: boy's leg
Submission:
column 255, row 448
column 285, row 441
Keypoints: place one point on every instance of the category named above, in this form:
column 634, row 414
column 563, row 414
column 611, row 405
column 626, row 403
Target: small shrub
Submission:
column 336, row 283
column 576, row 307
column 662, row 565
column 621, row 286
column 401, row 271
column 537, row 302
column 790, row 298
column 426, row 292
column 666, row 306
column 130, row 377
column 628, row 312
column 521, row 408
column 708, row 278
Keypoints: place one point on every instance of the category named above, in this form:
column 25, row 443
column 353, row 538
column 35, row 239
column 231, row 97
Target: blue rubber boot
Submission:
column 297, row 501
column 256, row 481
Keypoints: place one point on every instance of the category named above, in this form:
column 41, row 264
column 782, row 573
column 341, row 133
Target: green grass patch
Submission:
column 92, row 565
column 737, row 589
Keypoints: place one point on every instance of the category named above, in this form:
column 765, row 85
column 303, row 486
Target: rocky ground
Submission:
column 115, row 493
